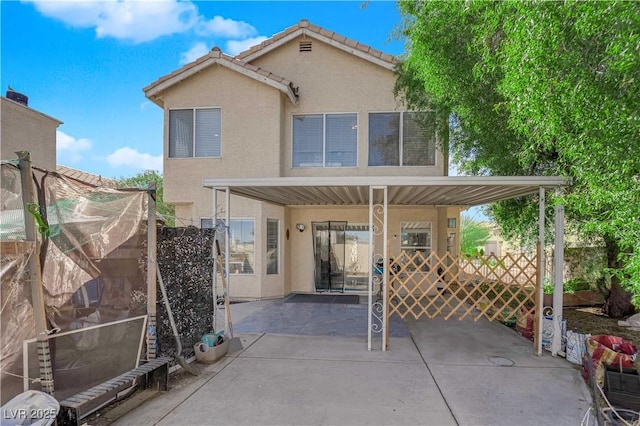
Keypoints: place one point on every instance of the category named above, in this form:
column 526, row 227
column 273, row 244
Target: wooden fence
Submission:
column 495, row 288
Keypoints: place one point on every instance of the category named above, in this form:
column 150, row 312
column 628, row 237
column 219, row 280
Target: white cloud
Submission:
column 227, row 28
column 70, row 149
column 134, row 20
column 141, row 20
column 197, row 50
column 133, row 159
column 236, row 46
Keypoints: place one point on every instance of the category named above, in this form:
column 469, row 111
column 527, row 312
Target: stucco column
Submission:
column 441, row 232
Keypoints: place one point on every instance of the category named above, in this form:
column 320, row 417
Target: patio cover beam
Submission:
column 402, row 190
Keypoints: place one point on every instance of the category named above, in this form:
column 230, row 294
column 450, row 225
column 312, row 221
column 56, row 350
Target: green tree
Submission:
column 142, row 180
column 541, row 88
column 473, row 235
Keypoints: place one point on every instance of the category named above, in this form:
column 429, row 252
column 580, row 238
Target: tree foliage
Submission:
column 540, row 88
column 473, row 235
column 142, row 181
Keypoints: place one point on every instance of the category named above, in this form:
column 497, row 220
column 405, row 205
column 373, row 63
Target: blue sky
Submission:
column 86, row 62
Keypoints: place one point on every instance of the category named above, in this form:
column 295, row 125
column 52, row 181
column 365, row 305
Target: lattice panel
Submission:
column 491, row 287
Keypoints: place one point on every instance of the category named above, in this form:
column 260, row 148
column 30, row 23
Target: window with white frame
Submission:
column 397, row 139
column 325, row 140
column 273, row 239
column 415, row 237
column 195, row 132
column 241, row 244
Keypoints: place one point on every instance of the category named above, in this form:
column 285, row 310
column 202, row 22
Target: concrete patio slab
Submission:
column 300, row 388
column 445, row 373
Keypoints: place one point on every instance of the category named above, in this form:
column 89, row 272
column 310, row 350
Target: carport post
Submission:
column 558, row 272
column 541, row 272
column 214, row 277
column 371, row 267
column 385, row 272
column 377, row 227
column 227, row 248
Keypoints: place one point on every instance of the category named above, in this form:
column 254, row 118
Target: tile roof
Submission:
column 86, row 177
column 305, row 27
column 216, row 56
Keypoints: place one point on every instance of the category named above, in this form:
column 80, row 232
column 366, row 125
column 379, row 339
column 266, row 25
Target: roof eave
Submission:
column 153, row 92
column 309, row 33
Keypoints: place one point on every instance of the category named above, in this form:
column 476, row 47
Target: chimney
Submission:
column 17, row 96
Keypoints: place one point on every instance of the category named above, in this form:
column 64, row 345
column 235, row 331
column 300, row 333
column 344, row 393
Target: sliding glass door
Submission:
column 329, row 255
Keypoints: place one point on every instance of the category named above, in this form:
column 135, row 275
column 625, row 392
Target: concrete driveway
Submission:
column 436, row 372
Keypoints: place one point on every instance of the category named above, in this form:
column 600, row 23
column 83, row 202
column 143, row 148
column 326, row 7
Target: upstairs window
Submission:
column 194, row 132
column 325, row 140
column 396, row 139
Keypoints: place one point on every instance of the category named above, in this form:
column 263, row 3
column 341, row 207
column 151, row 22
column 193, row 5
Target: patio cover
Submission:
column 402, row 190
column 384, row 191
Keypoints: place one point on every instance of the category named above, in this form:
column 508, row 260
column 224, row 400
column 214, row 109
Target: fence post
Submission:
column 35, row 276
column 152, row 238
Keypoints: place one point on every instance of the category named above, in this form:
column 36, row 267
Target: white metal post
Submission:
column 541, row 271
column 371, row 268
column 214, row 255
column 385, row 271
column 227, row 242
column 558, row 261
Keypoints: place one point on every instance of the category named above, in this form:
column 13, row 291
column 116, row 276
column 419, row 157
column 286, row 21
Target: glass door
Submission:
column 357, row 257
column 329, row 255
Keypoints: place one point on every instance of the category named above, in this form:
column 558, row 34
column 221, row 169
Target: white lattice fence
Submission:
column 496, row 288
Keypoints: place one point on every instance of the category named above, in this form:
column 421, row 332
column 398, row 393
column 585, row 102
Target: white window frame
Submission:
column 418, row 230
column 324, row 139
column 193, row 109
column 254, row 243
column 401, row 139
column 277, row 222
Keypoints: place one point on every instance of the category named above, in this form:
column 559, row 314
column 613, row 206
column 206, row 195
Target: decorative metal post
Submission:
column 35, row 275
column 377, row 318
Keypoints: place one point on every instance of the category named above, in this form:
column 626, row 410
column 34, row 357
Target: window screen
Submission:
column 195, row 132
column 181, row 133
column 307, row 140
column 384, row 139
column 341, row 137
column 418, row 149
column 208, row 132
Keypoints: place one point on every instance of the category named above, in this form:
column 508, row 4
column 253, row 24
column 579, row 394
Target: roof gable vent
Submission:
column 305, row 46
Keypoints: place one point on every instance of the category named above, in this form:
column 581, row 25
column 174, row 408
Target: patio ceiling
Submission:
column 402, row 190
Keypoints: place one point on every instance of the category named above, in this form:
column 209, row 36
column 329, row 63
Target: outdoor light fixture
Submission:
column 300, row 227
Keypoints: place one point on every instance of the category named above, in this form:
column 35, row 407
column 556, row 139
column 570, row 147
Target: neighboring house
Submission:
column 306, row 103
column 86, row 178
column 25, row 129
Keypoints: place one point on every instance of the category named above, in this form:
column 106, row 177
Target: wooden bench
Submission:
column 152, row 374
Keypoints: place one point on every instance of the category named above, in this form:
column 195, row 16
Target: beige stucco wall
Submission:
column 334, row 81
column 25, row 129
column 250, row 138
column 302, row 261
column 256, row 141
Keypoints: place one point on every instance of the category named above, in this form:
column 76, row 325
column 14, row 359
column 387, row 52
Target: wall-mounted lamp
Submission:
column 300, row 227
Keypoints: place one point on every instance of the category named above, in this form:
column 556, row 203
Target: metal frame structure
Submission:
column 441, row 191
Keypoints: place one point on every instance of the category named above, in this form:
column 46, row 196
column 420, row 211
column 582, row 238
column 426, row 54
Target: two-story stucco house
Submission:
column 309, row 105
